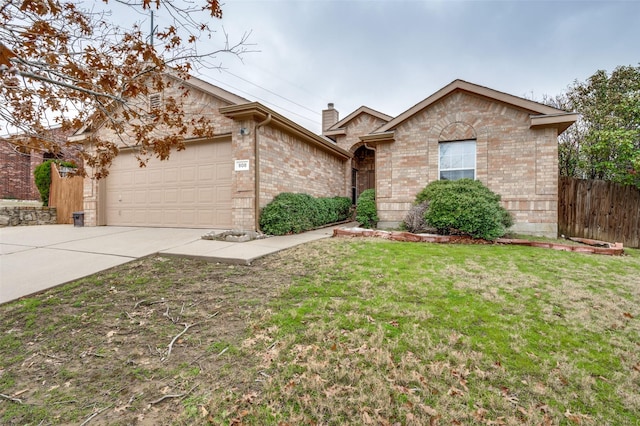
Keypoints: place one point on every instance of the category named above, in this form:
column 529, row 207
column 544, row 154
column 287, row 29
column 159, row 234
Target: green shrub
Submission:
column 42, row 175
column 465, row 206
column 366, row 211
column 290, row 213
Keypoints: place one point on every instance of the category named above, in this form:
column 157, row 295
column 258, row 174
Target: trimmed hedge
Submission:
column 290, row 213
column 465, row 206
column 366, row 210
column 42, row 175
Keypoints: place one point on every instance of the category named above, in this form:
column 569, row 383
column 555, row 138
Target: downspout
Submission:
column 256, row 148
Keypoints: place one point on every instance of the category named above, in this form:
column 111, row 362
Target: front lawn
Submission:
column 340, row 331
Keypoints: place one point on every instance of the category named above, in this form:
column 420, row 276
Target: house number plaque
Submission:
column 241, row 165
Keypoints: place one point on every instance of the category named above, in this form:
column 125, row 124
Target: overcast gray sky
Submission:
column 391, row 54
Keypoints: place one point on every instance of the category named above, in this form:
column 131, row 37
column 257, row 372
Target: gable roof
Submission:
column 193, row 82
column 211, row 89
column 259, row 112
column 541, row 115
column 339, row 127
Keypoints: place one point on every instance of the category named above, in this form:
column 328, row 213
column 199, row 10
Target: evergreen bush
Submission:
column 290, row 213
column 465, row 206
column 366, row 210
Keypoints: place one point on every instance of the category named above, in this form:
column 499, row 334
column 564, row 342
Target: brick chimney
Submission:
column 330, row 117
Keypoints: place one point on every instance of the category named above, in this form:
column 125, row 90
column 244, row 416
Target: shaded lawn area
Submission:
column 338, row 331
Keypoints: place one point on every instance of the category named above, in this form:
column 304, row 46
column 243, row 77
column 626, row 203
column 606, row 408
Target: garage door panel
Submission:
column 206, row 196
column 187, row 175
column 171, row 196
column 191, row 189
column 188, row 196
column 168, row 175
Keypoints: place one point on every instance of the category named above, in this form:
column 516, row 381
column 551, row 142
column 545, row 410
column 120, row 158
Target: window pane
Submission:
column 457, row 174
column 457, row 160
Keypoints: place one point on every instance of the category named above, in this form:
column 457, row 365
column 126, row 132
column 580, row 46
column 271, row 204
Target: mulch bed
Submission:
column 590, row 246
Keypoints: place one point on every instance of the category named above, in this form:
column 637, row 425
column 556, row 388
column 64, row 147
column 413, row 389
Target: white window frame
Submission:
column 453, row 169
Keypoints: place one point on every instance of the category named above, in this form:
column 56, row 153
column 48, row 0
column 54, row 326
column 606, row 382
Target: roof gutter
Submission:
column 256, row 147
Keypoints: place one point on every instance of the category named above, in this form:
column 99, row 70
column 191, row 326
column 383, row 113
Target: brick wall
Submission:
column 513, row 160
column 16, row 173
column 289, row 164
column 360, row 125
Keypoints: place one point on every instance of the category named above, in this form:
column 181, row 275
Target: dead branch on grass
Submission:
column 170, row 347
column 95, row 414
column 144, row 302
column 174, row 395
column 10, row 398
column 173, row 320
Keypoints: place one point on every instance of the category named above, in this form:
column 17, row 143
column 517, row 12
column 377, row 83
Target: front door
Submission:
column 364, row 170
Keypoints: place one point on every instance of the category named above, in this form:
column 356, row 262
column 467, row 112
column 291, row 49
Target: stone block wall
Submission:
column 24, row 216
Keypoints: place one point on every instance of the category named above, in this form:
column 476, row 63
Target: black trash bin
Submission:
column 78, row 218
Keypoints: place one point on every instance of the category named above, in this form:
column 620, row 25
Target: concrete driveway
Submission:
column 34, row 258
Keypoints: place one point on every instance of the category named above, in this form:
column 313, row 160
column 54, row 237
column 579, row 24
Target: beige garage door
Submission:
column 190, row 190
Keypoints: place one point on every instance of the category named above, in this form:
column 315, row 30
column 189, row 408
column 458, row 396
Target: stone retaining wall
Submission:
column 24, row 216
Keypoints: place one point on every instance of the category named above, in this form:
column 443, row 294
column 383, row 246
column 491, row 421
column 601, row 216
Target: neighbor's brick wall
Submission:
column 514, row 161
column 16, row 173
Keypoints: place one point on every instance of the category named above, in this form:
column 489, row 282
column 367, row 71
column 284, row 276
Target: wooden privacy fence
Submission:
column 599, row 210
column 65, row 195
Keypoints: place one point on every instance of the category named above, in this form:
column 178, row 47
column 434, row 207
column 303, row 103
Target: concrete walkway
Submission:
column 35, row 258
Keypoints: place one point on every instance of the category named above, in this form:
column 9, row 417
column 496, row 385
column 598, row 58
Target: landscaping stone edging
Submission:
column 612, row 249
column 26, row 216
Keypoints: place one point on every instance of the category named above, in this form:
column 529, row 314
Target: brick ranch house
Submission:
column 463, row 130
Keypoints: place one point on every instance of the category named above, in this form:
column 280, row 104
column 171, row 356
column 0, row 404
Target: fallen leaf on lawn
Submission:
column 454, row 391
column 479, row 414
column 366, row 418
column 111, row 333
column 637, row 367
column 203, row 411
column 394, row 323
column 463, row 383
column 628, row 315
column 248, row 398
column 429, row 410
